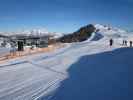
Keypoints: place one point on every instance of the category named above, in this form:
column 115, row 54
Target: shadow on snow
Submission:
column 104, row 76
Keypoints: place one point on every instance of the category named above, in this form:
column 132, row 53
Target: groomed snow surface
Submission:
column 91, row 70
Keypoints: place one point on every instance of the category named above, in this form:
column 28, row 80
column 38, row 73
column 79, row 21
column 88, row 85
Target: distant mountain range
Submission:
column 34, row 33
column 80, row 35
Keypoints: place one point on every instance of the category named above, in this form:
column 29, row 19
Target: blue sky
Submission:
column 64, row 15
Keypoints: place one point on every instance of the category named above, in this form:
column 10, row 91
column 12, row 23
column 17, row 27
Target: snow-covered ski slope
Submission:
column 90, row 70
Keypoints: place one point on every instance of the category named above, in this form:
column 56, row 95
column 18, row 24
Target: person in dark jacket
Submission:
column 131, row 43
column 111, row 42
column 125, row 42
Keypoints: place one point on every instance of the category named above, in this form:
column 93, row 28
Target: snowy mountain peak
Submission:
column 99, row 26
column 109, row 29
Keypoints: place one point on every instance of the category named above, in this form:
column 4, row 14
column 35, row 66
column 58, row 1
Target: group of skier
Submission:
column 125, row 43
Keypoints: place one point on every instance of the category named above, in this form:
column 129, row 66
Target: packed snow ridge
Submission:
column 89, row 70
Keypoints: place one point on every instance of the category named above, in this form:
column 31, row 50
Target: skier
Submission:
column 131, row 43
column 32, row 47
column 111, row 42
column 125, row 42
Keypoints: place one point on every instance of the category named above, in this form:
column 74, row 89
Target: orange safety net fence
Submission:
column 28, row 52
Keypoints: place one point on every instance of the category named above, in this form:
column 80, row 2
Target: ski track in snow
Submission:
column 32, row 77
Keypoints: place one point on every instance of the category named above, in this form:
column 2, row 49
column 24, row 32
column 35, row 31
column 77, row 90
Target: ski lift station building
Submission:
column 38, row 41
